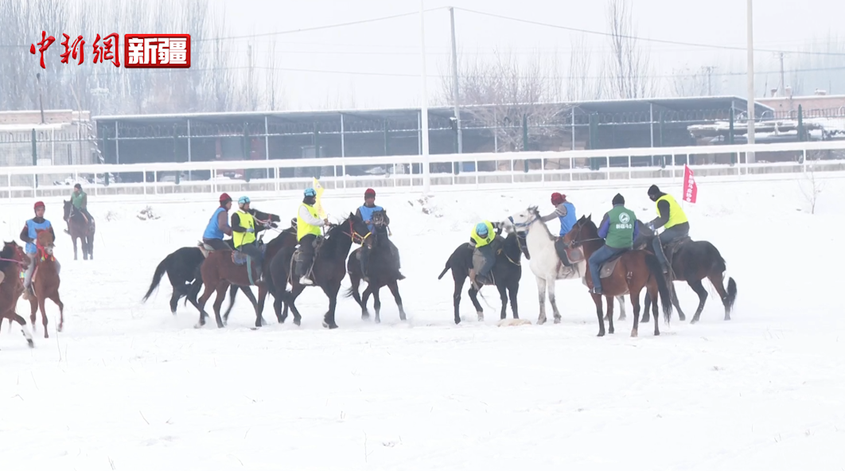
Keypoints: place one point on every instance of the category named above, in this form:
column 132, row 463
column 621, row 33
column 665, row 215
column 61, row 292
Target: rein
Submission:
column 11, row 260
column 355, row 236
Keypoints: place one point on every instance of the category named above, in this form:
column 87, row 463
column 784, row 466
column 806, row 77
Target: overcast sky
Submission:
column 392, row 46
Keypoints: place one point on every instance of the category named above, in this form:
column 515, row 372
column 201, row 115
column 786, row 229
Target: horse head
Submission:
column 14, row 252
column 67, row 208
column 584, row 230
column 353, row 227
column 45, row 240
column 522, row 220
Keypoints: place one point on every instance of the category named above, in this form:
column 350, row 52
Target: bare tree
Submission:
column 687, row 83
column 629, row 74
column 504, row 91
column 272, row 81
column 811, row 186
column 581, row 85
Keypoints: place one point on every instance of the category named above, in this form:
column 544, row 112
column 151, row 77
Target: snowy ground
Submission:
column 127, row 386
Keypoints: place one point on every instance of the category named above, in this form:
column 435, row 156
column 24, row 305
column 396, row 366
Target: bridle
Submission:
column 576, row 242
column 354, row 235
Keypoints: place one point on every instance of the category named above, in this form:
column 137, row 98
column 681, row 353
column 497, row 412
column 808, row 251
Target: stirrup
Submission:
column 304, row 280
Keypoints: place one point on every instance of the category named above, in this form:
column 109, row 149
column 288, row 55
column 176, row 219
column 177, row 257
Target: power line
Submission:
column 663, row 41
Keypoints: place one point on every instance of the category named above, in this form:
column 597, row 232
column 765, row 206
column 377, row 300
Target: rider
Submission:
column 218, row 225
column 618, row 229
column 485, row 244
column 28, row 234
column 671, row 217
column 564, row 210
column 243, row 228
column 365, row 212
column 308, row 224
column 79, row 200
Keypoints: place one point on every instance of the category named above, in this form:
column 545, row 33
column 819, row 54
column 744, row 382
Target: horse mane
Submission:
column 335, row 233
column 511, row 248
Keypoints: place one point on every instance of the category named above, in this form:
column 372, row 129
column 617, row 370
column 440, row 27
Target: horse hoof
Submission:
column 197, row 326
column 457, row 320
column 30, row 343
column 601, row 334
column 542, row 321
column 557, row 321
column 297, row 322
column 634, row 333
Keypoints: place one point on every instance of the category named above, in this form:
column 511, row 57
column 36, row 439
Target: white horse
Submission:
column 546, row 264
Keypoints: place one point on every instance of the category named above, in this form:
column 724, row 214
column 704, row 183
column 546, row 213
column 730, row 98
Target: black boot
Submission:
column 364, row 257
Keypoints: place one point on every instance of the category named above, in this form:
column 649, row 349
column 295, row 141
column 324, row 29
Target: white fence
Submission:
column 570, row 170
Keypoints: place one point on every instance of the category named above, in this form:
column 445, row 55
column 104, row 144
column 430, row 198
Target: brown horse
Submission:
column 80, row 228
column 12, row 263
column 630, row 272
column 45, row 281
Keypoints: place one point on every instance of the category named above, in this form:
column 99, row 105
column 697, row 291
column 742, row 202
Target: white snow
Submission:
column 127, row 386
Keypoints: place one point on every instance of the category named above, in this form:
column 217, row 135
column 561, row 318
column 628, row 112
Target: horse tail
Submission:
column 662, row 286
column 731, row 298
column 719, row 266
column 447, row 268
column 159, row 273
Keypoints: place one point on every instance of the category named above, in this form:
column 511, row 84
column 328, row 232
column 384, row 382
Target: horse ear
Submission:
column 590, row 217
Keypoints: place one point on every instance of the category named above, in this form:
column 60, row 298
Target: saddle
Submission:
column 297, row 258
column 607, row 267
column 568, row 256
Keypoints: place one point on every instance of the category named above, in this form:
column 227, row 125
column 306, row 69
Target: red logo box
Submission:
column 157, row 51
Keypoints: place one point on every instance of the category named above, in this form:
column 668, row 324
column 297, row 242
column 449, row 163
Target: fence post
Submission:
column 34, row 161
column 525, row 140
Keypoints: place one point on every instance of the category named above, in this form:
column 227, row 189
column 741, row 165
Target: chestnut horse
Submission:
column 633, row 271
column 12, row 263
column 45, row 281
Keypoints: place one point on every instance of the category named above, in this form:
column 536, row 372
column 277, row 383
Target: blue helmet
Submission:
column 243, row 200
column 309, row 192
column 481, row 229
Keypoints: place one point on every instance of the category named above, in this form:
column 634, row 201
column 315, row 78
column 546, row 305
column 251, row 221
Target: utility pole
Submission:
column 455, row 89
column 251, row 102
column 749, row 156
column 40, row 96
column 424, row 107
column 782, row 82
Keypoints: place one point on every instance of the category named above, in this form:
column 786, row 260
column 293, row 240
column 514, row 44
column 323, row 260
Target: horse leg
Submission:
column 599, row 314
column 675, row 302
column 541, row 296
column 635, row 301
column 503, row 296
column 609, row 315
column 365, row 297
column 356, row 282
column 394, row 289
column 233, row 291
column 329, row 318
column 218, row 302
column 376, row 301
column 702, row 298
column 259, row 320
column 33, row 304
column 262, row 297
column 727, row 298
column 473, row 296
column 512, row 292
column 622, row 315
column 456, row 298
column 295, row 292
column 91, row 247
column 42, row 308
column 55, row 298
column 174, row 298
column 206, row 294
column 74, row 238
column 13, row 316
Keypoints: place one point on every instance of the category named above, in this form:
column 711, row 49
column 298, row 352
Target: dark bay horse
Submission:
column 506, row 273
column 692, row 261
column 45, row 281
column 383, row 271
column 12, row 262
column 328, row 268
column 632, row 271
column 79, row 228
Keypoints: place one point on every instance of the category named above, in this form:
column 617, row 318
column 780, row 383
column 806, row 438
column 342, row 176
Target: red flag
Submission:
column 690, row 188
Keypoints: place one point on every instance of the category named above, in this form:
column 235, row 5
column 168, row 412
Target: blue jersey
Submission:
column 367, row 214
column 212, row 231
column 33, row 228
column 566, row 222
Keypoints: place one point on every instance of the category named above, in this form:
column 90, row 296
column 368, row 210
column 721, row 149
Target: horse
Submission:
column 692, row 261
column 626, row 273
column 328, row 268
column 506, row 272
column 78, row 228
column 547, row 265
column 12, row 262
column 383, row 271
column 45, row 281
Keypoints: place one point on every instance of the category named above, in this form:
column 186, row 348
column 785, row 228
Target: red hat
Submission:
column 370, row 192
column 558, row 198
column 37, row 204
column 225, row 198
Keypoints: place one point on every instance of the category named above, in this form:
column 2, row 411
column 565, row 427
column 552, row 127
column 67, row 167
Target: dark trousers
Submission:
column 306, row 254
column 253, row 251
column 668, row 235
column 603, row 254
column 483, row 259
column 216, row 244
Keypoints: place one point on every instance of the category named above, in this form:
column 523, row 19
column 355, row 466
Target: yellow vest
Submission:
column 302, row 227
column 676, row 214
column 247, row 222
column 481, row 242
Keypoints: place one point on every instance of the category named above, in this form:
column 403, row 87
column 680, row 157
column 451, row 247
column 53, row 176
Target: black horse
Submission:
column 506, row 273
column 183, row 270
column 383, row 270
column 79, row 228
column 328, row 269
column 692, row 261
